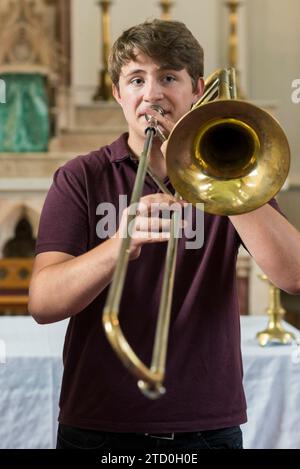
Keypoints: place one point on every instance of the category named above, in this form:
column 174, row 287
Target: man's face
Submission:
column 143, row 83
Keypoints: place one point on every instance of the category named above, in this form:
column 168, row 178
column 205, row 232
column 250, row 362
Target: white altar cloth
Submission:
column 31, row 370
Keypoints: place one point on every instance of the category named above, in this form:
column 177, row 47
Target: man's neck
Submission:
column 157, row 162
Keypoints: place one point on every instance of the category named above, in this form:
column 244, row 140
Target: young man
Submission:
column 157, row 63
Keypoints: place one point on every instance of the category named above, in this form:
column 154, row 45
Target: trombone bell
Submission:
column 226, row 148
column 229, row 155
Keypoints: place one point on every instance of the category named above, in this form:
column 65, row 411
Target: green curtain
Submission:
column 24, row 118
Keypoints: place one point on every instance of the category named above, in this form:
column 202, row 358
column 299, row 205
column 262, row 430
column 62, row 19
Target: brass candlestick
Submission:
column 274, row 332
column 233, row 6
column 104, row 89
column 166, row 6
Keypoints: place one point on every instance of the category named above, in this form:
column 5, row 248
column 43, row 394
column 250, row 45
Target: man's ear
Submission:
column 199, row 90
column 116, row 94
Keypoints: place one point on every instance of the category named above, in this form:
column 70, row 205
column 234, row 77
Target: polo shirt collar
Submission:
column 120, row 150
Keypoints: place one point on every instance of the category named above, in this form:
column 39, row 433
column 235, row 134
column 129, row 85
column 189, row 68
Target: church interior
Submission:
column 56, row 103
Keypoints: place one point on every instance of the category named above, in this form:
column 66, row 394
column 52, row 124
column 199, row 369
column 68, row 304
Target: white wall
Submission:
column 85, row 32
column 274, row 62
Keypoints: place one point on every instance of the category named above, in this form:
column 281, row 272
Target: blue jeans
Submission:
column 78, row 438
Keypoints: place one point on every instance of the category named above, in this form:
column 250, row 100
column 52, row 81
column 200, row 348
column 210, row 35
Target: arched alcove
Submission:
column 10, row 216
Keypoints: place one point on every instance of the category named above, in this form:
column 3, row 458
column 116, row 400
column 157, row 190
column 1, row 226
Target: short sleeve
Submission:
column 273, row 202
column 64, row 223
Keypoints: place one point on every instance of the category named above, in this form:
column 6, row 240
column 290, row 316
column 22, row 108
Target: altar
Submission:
column 31, row 371
column 271, row 382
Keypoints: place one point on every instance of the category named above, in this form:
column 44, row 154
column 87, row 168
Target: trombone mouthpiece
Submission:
column 153, row 122
column 158, row 108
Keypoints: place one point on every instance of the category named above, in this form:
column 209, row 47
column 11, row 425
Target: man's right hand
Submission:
column 146, row 226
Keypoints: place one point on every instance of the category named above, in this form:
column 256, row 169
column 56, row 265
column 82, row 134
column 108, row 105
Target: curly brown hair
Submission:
column 169, row 43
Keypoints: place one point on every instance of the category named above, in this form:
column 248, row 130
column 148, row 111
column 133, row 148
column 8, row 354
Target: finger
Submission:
column 152, row 224
column 161, row 210
column 163, row 148
column 160, row 199
column 147, row 237
column 163, row 121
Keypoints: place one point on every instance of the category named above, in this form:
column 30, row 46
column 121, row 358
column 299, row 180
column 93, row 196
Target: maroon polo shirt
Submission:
column 204, row 366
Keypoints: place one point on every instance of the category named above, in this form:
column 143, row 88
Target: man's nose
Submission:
column 153, row 92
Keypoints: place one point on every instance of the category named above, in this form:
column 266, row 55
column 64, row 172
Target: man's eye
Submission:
column 169, row 78
column 136, row 81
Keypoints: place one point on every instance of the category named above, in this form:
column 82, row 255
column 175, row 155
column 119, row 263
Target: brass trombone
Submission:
column 225, row 153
